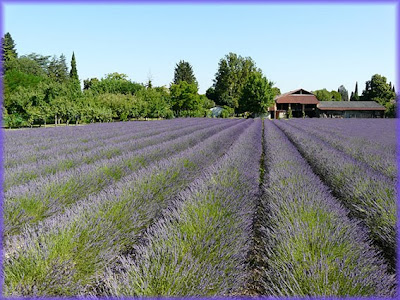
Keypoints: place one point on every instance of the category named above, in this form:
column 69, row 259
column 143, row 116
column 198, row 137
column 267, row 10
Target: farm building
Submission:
column 350, row 109
column 301, row 103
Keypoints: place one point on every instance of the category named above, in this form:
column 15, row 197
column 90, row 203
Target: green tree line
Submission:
column 40, row 89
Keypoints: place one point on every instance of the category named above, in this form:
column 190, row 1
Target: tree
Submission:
column 88, row 83
column 25, row 65
column 325, row 95
column 156, row 106
column 233, row 73
column 257, row 94
column 210, row 94
column 378, row 90
column 355, row 96
column 184, row 72
column 344, row 93
column 276, row 91
column 42, row 60
column 8, row 47
column 115, row 83
column 73, row 74
column 336, row 96
column 75, row 84
column 58, row 70
column 184, row 97
column 22, row 72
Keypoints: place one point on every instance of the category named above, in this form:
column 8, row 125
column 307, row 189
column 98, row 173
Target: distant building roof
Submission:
column 349, row 105
column 300, row 96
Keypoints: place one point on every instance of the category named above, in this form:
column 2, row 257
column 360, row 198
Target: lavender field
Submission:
column 202, row 207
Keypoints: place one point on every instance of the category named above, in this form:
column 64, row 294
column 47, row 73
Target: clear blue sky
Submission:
column 308, row 46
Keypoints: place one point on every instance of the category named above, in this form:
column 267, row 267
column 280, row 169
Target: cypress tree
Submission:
column 356, row 97
column 73, row 74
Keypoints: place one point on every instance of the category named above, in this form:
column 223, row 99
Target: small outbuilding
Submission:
column 350, row 109
column 216, row 111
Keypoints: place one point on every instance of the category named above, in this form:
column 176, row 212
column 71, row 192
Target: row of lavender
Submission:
column 369, row 195
column 201, row 246
column 373, row 143
column 67, row 251
column 38, row 144
column 49, row 194
column 308, row 244
column 27, row 163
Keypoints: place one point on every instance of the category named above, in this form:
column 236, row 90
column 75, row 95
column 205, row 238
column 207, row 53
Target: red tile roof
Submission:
column 294, row 97
column 298, row 98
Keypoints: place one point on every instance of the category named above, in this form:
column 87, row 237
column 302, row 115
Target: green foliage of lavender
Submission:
column 77, row 245
column 178, row 208
column 371, row 143
column 202, row 244
column 370, row 196
column 311, row 247
column 46, row 196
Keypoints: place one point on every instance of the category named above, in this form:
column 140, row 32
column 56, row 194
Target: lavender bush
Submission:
column 41, row 144
column 377, row 151
column 177, row 208
column 311, row 247
column 368, row 195
column 76, row 246
column 110, row 148
column 42, row 198
column 201, row 246
column 77, row 140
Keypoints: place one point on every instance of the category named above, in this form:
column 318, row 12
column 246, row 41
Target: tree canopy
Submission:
column 184, row 72
column 378, row 90
column 257, row 94
column 325, row 95
column 8, row 48
column 39, row 89
column 186, row 102
column 232, row 75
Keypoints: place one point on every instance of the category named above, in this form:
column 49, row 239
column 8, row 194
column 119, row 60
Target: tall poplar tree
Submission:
column 73, row 74
column 355, row 96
